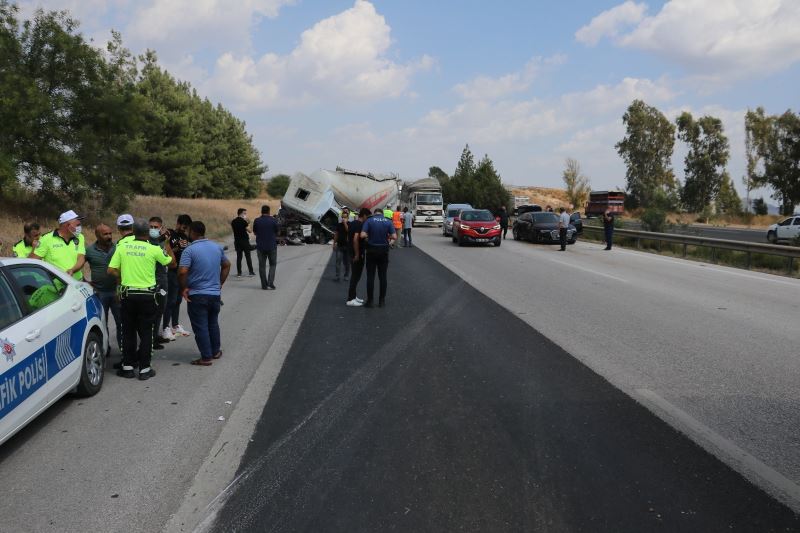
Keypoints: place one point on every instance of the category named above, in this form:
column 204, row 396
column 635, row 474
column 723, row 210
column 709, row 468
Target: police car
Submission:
column 53, row 340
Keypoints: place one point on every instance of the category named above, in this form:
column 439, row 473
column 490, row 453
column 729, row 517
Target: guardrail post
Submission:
column 685, row 246
column 749, row 254
column 791, row 264
column 713, row 255
column 659, row 245
column 638, row 243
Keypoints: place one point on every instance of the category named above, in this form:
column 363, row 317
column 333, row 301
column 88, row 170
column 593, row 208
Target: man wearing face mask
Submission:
column 64, row 247
column 158, row 236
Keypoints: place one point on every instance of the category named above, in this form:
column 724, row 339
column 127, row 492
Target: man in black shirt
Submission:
column 608, row 227
column 241, row 241
column 341, row 246
column 178, row 241
column 503, row 214
column 357, row 249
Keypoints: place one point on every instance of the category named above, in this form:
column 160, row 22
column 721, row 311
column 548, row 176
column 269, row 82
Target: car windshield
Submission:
column 476, row 216
column 452, row 213
column 546, row 218
column 429, row 199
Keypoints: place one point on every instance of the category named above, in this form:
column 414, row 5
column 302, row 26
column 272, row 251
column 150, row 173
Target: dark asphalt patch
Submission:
column 443, row 412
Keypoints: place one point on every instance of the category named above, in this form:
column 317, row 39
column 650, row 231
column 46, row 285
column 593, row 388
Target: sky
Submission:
column 399, row 86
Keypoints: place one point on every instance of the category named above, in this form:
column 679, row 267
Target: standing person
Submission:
column 548, row 209
column 503, row 220
column 98, row 255
column 30, row 240
column 125, row 228
column 341, row 245
column 608, row 227
column 408, row 223
column 265, row 228
column 133, row 263
column 397, row 222
column 241, row 242
column 202, row 272
column 379, row 233
column 158, row 237
column 178, row 241
column 563, row 224
column 65, row 247
column 358, row 249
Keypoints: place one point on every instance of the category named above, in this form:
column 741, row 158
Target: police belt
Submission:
column 125, row 292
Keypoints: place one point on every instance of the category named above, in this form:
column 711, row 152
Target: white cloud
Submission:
column 183, row 25
column 343, row 57
column 486, row 88
column 724, row 39
column 608, row 23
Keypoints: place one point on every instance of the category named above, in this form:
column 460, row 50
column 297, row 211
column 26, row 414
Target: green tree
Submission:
column 459, row 187
column 277, row 186
column 438, row 174
column 705, row 161
column 728, row 200
column 647, row 152
column 479, row 185
column 777, row 145
column 577, row 183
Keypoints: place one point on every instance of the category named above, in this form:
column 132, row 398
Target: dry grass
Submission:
column 216, row 214
column 544, row 196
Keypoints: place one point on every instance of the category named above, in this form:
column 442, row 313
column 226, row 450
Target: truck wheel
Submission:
column 92, row 367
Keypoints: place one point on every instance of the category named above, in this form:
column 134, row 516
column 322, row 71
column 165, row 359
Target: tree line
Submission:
column 90, row 127
column 772, row 146
column 477, row 184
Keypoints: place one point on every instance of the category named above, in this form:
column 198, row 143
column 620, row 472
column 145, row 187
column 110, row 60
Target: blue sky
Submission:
column 391, row 86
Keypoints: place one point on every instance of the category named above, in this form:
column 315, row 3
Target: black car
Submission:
column 575, row 220
column 541, row 227
column 528, row 208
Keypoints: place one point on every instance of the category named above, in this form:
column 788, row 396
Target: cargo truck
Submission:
column 423, row 198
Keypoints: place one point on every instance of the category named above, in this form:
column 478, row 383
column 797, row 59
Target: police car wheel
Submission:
column 92, row 368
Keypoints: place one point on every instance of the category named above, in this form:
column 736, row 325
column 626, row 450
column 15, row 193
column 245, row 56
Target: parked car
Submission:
column 530, row 208
column 785, row 230
column 476, row 226
column 541, row 227
column 450, row 212
column 53, row 339
column 575, row 220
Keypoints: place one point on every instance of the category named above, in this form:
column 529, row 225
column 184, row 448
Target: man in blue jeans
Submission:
column 201, row 273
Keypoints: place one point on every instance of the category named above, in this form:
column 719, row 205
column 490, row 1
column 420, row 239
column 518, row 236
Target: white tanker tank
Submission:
column 317, row 200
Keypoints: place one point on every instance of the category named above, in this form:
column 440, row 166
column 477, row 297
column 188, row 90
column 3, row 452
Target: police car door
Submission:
column 17, row 365
column 55, row 324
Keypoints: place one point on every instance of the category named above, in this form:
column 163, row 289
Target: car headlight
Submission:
column 496, row 226
column 462, row 226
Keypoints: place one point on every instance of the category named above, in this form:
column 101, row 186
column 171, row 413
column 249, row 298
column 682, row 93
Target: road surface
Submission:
column 449, row 410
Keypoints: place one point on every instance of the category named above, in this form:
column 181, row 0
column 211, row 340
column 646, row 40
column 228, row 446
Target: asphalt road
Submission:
column 447, row 410
column 124, row 459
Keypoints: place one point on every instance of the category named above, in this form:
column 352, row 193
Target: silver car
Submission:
column 452, row 211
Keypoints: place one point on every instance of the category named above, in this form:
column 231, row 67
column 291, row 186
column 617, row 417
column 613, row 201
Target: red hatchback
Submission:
column 476, row 226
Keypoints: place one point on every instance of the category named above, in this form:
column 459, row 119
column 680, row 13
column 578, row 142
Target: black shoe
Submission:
column 161, row 340
column 607, row 248
column 147, row 375
column 381, row 303
column 271, row 287
column 117, row 365
column 158, row 346
column 126, row 373
column 368, row 304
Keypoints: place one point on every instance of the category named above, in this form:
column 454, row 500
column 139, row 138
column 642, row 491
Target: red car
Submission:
column 476, row 226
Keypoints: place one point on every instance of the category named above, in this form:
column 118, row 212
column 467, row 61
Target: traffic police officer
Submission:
column 134, row 263
column 379, row 233
column 30, row 241
column 65, row 247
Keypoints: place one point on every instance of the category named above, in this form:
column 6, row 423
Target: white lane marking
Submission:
column 688, row 263
column 763, row 475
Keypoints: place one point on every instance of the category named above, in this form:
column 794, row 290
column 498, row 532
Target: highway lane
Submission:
column 711, row 349
column 446, row 411
column 124, row 459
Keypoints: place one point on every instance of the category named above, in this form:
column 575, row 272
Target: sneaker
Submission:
column 147, row 373
column 238, row 275
column 178, row 330
column 270, row 287
column 168, row 334
column 354, row 303
column 347, row 278
column 359, row 300
column 126, row 372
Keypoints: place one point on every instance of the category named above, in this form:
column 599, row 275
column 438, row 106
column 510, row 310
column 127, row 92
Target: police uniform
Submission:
column 20, row 249
column 136, row 260
column 62, row 253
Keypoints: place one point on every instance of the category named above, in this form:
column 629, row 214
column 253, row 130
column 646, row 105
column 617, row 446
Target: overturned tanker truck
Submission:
column 312, row 205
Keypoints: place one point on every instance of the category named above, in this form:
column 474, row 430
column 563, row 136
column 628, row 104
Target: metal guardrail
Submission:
column 789, row 252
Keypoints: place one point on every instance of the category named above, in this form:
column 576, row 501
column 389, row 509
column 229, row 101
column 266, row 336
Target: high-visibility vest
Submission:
column 398, row 224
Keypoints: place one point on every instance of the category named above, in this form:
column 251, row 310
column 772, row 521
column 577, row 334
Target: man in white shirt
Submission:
column 563, row 224
column 408, row 223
